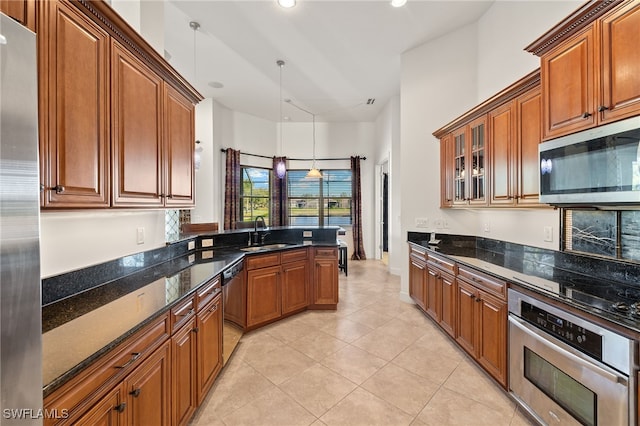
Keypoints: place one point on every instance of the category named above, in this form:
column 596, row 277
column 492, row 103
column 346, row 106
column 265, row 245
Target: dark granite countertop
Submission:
column 533, row 269
column 95, row 321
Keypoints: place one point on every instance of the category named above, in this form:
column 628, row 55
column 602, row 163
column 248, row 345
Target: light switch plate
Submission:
column 548, row 233
column 208, row 242
column 307, row 234
column 191, row 245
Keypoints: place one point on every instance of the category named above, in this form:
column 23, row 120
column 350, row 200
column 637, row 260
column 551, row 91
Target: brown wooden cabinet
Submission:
column 589, row 66
column 108, row 411
column 209, row 346
column 325, row 278
column 515, row 133
column 74, row 127
column 184, row 397
column 23, row 11
column 441, row 292
column 418, row 276
column 179, row 138
column 295, row 281
column 136, row 127
column 482, row 321
column 148, row 390
column 264, row 301
column 116, row 121
column 469, row 154
column 447, row 171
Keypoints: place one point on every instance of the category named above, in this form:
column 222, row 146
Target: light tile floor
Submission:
column 374, row 361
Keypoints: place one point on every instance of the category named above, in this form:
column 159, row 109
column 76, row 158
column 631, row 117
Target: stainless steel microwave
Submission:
column 599, row 166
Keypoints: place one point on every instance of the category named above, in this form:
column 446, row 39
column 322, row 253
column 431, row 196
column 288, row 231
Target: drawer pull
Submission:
column 195, row 330
column 120, row 407
column 134, row 357
column 191, row 311
column 478, row 299
column 135, row 393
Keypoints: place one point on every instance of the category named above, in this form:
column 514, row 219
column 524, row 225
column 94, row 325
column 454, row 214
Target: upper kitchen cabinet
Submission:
column 489, row 155
column 589, row 67
column 23, row 11
column 137, row 133
column 74, row 118
column 116, row 120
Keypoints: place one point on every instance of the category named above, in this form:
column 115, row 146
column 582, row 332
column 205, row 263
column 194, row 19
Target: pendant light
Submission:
column 314, row 173
column 281, row 167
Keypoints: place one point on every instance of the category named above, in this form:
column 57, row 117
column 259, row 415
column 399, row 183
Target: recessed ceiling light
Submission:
column 398, row 3
column 286, row 118
column 287, row 3
column 216, row 84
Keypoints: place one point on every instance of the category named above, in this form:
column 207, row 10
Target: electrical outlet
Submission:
column 422, row 222
column 207, row 242
column 487, row 228
column 307, row 234
column 438, row 223
column 191, row 245
column 445, row 223
column 140, row 235
column 548, row 233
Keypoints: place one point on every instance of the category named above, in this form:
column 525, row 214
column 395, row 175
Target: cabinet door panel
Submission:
column 501, row 140
column 148, row 390
column 568, row 86
column 447, row 175
column 76, row 148
column 107, row 412
column 136, row 116
column 22, row 11
column 295, row 291
column 448, row 312
column 183, row 350
column 326, row 281
column 467, row 335
column 209, row 346
column 417, row 282
column 529, row 127
column 179, row 139
column 263, row 295
column 621, row 63
column 477, row 158
column 433, row 297
column 492, row 351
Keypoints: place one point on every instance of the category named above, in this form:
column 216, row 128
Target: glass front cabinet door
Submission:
column 468, row 177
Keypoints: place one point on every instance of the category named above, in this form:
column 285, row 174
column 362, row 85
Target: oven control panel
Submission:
column 579, row 337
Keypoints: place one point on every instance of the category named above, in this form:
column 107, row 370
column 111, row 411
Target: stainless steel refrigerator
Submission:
column 20, row 292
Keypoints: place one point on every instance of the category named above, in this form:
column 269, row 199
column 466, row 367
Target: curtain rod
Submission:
column 294, row 159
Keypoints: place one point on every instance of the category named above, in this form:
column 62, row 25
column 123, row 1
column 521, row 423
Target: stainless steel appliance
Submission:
column 20, row 293
column 233, row 308
column 566, row 370
column 599, row 166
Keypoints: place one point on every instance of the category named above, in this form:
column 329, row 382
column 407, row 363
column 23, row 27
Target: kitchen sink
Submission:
column 265, row 247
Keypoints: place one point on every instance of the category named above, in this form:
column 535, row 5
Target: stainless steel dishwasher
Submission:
column 233, row 308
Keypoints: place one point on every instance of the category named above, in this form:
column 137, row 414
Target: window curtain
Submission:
column 279, row 197
column 232, row 189
column 356, row 211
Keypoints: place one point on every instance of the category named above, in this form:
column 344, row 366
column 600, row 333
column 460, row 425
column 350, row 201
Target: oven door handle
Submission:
column 533, row 333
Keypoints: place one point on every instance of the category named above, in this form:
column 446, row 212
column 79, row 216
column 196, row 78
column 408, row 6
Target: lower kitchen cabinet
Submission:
column 263, row 295
column 325, row 278
column 209, row 345
column 418, row 276
column 184, row 398
column 148, row 390
column 295, row 290
column 109, row 411
column 441, row 293
column 482, row 328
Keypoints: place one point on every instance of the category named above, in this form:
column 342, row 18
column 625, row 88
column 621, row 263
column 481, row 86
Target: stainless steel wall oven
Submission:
column 567, row 370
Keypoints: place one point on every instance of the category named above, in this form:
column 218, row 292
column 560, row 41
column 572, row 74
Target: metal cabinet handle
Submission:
column 195, row 330
column 478, row 299
column 586, row 115
column 135, row 393
column 134, row 357
column 59, row 189
column 191, row 311
column 120, row 407
column 603, row 108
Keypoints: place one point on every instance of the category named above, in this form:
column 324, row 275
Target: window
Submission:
column 325, row 201
column 255, row 193
column 607, row 233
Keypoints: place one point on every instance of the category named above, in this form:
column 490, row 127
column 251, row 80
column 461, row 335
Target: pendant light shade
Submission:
column 314, row 174
column 281, row 169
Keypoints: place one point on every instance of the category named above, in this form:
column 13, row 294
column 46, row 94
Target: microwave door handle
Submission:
column 588, row 365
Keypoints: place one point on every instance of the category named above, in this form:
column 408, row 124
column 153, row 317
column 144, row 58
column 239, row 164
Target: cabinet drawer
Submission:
column 263, row 261
column 207, row 292
column 294, row 255
column 81, row 392
column 327, row 252
column 418, row 253
column 484, row 282
column 182, row 313
column 442, row 263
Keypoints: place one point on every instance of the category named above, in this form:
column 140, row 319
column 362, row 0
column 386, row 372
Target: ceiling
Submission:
column 338, row 54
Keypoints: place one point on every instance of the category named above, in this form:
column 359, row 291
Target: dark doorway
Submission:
column 385, row 212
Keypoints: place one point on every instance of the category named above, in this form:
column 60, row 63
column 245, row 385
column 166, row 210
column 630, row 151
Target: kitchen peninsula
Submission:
column 146, row 329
